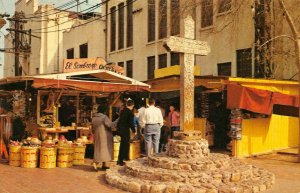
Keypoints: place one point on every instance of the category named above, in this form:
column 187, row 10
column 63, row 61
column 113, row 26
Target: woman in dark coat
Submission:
column 103, row 138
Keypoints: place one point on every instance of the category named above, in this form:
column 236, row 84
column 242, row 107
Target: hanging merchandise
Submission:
column 204, row 98
column 236, row 124
column 19, row 103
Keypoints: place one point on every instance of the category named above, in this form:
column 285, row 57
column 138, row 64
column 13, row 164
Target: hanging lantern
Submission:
column 2, row 22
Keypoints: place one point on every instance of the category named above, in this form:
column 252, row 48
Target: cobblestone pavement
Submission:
column 82, row 179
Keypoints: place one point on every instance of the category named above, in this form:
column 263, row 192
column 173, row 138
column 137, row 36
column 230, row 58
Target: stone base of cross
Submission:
column 189, row 47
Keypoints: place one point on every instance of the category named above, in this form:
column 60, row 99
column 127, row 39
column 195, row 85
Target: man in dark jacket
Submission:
column 124, row 125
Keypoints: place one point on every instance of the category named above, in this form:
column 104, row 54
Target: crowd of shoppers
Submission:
column 149, row 123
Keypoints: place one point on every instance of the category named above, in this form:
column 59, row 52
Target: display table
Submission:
column 56, row 132
column 81, row 130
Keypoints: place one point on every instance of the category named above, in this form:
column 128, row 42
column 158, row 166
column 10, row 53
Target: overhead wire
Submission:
column 54, row 8
column 90, row 9
column 58, row 11
column 90, row 20
column 63, row 16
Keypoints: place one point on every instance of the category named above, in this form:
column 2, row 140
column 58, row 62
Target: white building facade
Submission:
column 54, row 31
column 233, row 29
column 131, row 33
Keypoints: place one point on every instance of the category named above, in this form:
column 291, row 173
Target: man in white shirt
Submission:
column 141, row 112
column 152, row 121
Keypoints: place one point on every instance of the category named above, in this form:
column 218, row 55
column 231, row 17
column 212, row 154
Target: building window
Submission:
column 121, row 26
column 206, row 13
column 151, row 67
column 224, row 5
column 83, row 51
column 151, row 20
column 70, row 53
column 129, row 71
column 175, row 60
column 121, row 64
column 162, row 61
column 113, row 29
column 244, row 63
column 175, row 17
column 224, row 69
column 162, row 19
column 129, row 23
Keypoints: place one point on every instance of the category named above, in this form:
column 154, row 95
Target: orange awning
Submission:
column 257, row 100
column 87, row 86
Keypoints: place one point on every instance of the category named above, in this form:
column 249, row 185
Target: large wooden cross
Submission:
column 189, row 47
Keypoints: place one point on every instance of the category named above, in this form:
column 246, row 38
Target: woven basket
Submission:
column 48, row 158
column 79, row 153
column 29, row 157
column 65, row 157
column 15, row 156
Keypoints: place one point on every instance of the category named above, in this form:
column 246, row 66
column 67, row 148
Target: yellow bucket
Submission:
column 48, row 157
column 15, row 156
column 29, row 157
column 65, row 157
column 134, row 151
column 116, row 151
column 79, row 153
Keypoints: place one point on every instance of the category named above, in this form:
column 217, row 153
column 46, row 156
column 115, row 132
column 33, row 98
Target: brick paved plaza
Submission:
column 83, row 179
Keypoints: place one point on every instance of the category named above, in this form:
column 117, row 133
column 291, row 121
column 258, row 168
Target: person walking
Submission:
column 152, row 121
column 125, row 123
column 174, row 118
column 103, row 138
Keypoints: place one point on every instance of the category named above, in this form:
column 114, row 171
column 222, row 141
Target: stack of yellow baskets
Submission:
column 15, row 155
column 29, row 157
column 79, row 153
column 65, row 157
column 48, row 157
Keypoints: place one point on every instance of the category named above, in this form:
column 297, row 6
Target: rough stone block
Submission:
column 145, row 188
column 171, row 188
column 262, row 187
column 134, row 187
column 235, row 177
column 255, row 189
column 186, row 189
column 185, row 167
column 212, row 190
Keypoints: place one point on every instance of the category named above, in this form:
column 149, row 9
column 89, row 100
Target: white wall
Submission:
column 141, row 48
column 92, row 33
column 230, row 31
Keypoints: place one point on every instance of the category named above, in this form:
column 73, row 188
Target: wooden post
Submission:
column 189, row 47
column 38, row 107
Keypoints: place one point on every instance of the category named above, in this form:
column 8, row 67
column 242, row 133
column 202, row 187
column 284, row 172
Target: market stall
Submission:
column 64, row 105
column 265, row 115
column 208, row 90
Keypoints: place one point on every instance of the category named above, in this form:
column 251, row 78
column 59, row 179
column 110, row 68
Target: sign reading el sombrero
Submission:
column 86, row 64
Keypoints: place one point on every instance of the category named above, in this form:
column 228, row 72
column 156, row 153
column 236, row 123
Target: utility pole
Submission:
column 77, row 5
column 17, row 46
column 17, row 20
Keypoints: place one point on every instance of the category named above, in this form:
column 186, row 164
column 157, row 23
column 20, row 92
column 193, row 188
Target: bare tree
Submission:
column 296, row 39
